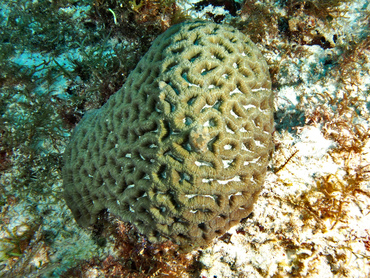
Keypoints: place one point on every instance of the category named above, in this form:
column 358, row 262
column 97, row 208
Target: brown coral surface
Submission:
column 181, row 150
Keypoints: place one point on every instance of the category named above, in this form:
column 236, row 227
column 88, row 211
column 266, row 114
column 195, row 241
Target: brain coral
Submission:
column 181, row 150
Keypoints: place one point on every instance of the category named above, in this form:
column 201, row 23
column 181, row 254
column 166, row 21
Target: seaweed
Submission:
column 36, row 25
column 136, row 257
column 25, row 248
column 259, row 20
column 137, row 19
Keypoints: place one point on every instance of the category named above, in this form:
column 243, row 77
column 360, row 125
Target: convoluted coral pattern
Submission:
column 181, row 150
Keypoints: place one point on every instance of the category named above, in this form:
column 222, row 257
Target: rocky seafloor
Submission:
column 59, row 59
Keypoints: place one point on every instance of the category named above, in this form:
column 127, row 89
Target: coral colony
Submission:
column 181, row 150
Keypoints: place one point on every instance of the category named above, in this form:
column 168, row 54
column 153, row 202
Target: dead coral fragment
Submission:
column 199, row 138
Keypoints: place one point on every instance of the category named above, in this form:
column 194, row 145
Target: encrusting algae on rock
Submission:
column 181, row 150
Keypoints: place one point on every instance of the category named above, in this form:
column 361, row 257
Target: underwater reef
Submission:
column 62, row 60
